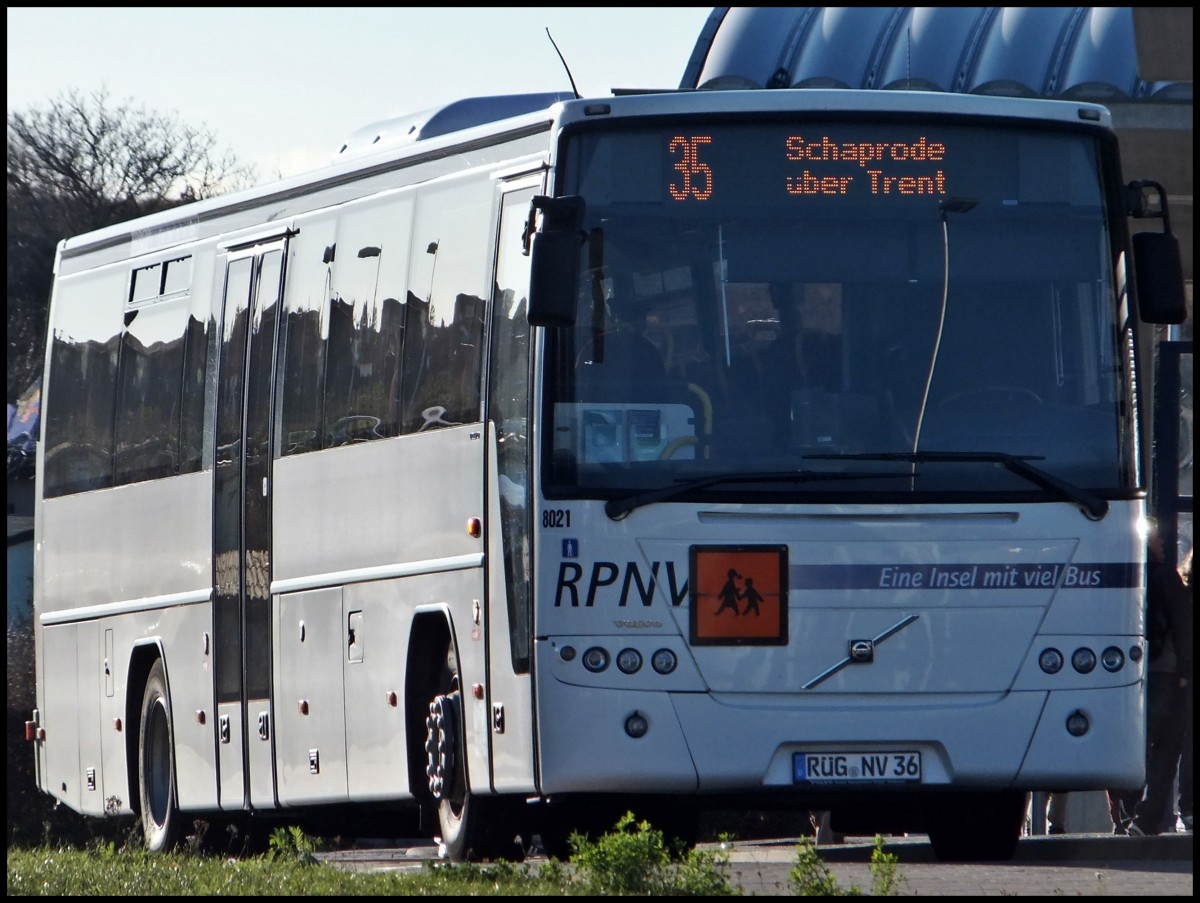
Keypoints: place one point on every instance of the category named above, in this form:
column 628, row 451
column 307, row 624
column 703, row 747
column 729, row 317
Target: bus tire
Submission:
column 161, row 820
column 472, row 827
column 978, row 827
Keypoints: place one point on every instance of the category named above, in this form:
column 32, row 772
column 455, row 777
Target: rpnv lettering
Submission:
column 618, row 584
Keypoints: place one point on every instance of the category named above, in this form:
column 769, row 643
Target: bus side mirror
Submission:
column 554, row 260
column 1159, row 277
column 1156, row 260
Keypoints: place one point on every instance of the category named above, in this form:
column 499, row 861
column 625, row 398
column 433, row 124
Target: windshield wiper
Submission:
column 619, row 508
column 1093, row 505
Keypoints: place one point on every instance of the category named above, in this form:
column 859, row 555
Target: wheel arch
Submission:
column 141, row 659
column 431, row 634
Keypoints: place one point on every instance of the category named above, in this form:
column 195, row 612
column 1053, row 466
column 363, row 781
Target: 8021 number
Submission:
column 556, row 518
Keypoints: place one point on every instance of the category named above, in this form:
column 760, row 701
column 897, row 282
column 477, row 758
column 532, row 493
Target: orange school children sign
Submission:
column 738, row 595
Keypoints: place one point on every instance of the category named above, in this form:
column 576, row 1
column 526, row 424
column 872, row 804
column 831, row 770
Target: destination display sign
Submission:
column 824, row 166
column 712, row 167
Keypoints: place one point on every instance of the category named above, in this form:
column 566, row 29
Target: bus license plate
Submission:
column 857, row 767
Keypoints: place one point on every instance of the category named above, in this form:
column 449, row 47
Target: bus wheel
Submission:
column 472, row 827
column 979, row 827
column 161, row 821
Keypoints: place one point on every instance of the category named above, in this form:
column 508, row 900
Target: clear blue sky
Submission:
column 282, row 88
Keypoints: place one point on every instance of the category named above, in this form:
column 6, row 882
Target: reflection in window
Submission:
column 384, row 327
column 309, row 275
column 149, row 392
column 79, row 434
column 83, row 371
column 366, row 324
column 364, row 368
column 443, row 354
column 128, row 402
column 199, row 345
column 508, row 411
column 447, row 390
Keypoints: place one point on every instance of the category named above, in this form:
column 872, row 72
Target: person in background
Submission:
column 1056, row 813
column 1170, row 644
column 823, row 832
column 1185, row 759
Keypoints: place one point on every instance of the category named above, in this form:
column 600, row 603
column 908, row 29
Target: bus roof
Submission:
column 476, row 131
column 837, row 100
column 442, row 134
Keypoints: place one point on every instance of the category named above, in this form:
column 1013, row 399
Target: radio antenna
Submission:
column 564, row 62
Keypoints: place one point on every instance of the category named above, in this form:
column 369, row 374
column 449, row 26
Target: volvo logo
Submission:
column 862, row 651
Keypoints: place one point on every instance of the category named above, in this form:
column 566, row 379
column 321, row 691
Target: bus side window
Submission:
column 85, row 338
column 367, row 321
column 443, row 351
column 149, row 390
column 304, row 352
column 199, row 344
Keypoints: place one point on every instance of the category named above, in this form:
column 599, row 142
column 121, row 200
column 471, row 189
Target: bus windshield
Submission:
column 898, row 304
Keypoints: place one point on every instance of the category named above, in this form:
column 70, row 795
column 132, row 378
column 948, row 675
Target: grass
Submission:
column 43, row 872
column 630, row 860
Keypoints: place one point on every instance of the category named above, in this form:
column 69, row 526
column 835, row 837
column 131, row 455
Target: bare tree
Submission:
column 82, row 163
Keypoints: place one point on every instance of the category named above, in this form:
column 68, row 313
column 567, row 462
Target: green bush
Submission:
column 884, row 873
column 633, row 859
column 811, row 877
column 291, row 843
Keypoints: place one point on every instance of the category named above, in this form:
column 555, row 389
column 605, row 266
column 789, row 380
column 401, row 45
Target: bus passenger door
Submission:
column 509, row 614
column 242, row 526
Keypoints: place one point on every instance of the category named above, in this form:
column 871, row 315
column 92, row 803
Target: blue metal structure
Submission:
column 1077, row 53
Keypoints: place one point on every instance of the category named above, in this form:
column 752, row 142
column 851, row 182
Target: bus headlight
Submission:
column 664, row 661
column 595, row 659
column 1112, row 659
column 1051, row 660
column 629, row 661
column 1083, row 660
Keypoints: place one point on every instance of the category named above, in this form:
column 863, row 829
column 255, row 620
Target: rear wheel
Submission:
column 161, row 821
column 978, row 826
column 473, row 827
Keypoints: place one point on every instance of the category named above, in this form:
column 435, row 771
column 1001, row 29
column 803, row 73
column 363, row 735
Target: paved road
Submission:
column 1073, row 864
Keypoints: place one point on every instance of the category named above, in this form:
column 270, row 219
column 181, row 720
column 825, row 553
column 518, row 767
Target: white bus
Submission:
column 539, row 458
